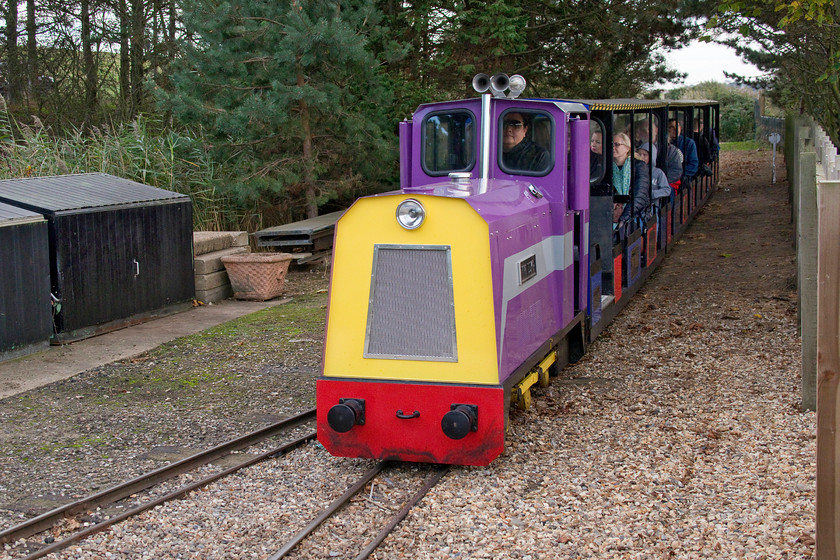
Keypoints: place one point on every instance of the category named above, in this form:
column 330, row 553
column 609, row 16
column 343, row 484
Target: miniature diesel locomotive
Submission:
column 494, row 263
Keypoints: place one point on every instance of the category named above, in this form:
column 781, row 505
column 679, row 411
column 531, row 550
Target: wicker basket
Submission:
column 257, row 276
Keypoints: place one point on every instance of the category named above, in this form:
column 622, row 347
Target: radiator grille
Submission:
column 411, row 313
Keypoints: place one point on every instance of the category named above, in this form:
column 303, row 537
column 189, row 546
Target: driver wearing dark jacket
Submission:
column 518, row 152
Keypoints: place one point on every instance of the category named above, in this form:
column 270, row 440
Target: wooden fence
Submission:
column 814, row 177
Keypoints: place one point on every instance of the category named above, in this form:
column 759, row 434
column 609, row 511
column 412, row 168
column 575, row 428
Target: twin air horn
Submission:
column 498, row 84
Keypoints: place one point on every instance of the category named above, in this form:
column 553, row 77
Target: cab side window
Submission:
column 526, row 142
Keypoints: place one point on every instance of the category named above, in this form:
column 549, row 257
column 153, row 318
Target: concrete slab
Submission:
column 212, row 262
column 209, row 241
column 206, row 282
column 62, row 362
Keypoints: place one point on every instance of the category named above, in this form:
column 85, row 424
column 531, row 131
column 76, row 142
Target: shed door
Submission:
column 115, row 264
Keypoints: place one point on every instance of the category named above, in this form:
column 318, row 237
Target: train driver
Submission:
column 520, row 153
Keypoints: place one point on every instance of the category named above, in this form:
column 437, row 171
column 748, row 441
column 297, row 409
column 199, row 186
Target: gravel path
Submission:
column 678, row 435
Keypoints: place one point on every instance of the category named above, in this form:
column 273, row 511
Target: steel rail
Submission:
column 329, row 511
column 431, row 481
column 54, row 547
column 46, row 520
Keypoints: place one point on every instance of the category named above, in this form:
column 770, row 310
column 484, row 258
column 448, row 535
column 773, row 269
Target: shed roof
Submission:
column 12, row 215
column 79, row 192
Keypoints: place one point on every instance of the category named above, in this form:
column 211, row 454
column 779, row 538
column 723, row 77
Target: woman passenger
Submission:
column 623, row 171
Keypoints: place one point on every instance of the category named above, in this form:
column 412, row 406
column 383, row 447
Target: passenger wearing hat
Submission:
column 659, row 186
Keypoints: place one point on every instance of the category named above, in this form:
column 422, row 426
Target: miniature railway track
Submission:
column 51, row 518
column 338, row 503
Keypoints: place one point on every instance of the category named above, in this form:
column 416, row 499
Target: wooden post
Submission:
column 793, row 175
column 804, row 143
column 806, row 265
column 790, row 147
column 828, row 373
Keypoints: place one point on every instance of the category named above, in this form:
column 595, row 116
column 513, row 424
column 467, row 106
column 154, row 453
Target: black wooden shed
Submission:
column 25, row 311
column 120, row 251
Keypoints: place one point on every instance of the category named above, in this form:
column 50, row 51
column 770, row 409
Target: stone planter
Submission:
column 257, row 276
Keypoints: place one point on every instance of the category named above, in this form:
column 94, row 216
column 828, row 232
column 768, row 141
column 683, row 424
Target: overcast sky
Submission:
column 707, row 61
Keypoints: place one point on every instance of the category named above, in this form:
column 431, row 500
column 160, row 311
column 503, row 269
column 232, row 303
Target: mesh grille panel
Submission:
column 411, row 312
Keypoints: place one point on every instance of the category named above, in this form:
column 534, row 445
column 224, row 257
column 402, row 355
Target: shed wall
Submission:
column 25, row 310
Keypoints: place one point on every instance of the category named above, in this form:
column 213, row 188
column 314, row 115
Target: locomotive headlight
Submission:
column 410, row 214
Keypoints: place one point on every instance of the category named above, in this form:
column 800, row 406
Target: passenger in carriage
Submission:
column 687, row 147
column 704, row 149
column 714, row 142
column 673, row 156
column 519, row 153
column 623, row 172
column 596, row 155
column 659, row 186
column 642, row 132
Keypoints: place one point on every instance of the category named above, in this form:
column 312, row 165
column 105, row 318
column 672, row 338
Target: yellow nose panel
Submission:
column 435, row 329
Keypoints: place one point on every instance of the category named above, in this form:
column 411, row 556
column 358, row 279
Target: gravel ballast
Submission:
column 678, row 435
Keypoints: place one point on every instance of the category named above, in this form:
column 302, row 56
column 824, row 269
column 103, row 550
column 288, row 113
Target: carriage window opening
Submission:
column 676, row 125
column 448, row 142
column 649, row 131
column 659, row 133
column 596, row 151
column 621, row 124
column 644, row 141
column 526, row 142
column 673, row 118
column 622, row 144
column 641, row 128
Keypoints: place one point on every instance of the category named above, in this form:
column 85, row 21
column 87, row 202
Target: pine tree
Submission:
column 291, row 94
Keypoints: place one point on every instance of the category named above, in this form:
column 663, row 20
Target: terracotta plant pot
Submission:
column 257, row 276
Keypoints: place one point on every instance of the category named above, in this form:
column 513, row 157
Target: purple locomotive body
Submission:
column 538, row 223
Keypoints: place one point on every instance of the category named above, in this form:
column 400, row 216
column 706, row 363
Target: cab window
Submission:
column 526, row 141
column 448, row 142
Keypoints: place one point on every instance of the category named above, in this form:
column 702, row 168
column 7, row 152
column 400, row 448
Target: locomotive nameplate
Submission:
column 527, row 269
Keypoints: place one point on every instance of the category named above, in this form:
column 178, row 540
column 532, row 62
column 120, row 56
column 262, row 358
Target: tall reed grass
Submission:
column 142, row 151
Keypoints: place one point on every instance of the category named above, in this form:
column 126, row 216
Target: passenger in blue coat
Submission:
column 687, row 147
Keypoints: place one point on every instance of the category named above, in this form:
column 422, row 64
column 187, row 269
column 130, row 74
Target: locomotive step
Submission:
column 521, row 392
